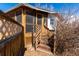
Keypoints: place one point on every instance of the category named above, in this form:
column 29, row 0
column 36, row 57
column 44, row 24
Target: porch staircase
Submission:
column 44, row 48
column 42, row 40
column 43, row 45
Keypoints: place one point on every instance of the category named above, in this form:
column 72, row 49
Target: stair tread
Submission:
column 44, row 37
column 42, row 42
column 44, row 45
column 44, row 49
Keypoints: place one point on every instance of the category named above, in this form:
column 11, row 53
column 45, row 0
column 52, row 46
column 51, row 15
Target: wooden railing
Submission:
column 37, row 36
column 11, row 36
column 49, row 32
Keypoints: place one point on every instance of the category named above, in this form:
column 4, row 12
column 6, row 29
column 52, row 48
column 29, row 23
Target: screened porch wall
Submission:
column 18, row 16
column 35, row 18
column 30, row 21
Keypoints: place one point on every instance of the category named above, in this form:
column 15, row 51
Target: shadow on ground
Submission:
column 51, row 43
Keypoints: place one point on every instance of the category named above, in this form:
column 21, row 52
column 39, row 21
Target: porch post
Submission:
column 36, row 31
column 33, row 34
column 42, row 23
column 55, row 38
column 24, row 23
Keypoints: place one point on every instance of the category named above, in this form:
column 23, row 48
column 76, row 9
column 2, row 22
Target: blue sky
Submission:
column 56, row 6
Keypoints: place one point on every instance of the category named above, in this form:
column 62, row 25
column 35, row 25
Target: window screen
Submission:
column 45, row 20
column 29, row 28
column 19, row 16
column 52, row 21
column 29, row 22
column 34, row 18
column 39, row 20
column 29, row 18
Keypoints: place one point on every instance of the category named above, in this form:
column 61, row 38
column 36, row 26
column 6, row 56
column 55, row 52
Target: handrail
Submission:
column 37, row 35
column 49, row 32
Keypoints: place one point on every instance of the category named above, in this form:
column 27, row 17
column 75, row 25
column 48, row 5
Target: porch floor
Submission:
column 31, row 52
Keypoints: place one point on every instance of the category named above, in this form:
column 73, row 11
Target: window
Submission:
column 52, row 19
column 29, row 28
column 19, row 16
column 53, row 22
column 39, row 20
column 29, row 22
column 29, row 19
column 34, row 18
column 45, row 20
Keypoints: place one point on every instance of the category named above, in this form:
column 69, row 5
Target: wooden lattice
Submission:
column 8, row 27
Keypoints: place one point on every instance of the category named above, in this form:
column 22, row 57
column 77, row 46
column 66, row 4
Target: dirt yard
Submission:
column 31, row 52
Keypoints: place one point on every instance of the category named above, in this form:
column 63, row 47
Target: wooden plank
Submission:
column 2, row 52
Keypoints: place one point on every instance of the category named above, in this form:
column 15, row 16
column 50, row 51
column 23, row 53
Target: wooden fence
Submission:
column 11, row 36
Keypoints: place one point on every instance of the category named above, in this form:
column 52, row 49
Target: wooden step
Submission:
column 44, row 37
column 44, row 48
column 44, row 45
column 44, row 41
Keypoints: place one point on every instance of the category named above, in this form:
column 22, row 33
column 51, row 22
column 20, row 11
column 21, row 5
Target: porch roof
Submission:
column 30, row 6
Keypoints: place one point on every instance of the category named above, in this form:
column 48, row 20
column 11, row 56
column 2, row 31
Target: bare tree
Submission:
column 67, row 35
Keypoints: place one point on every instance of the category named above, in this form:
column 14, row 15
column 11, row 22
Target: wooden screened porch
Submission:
column 30, row 19
column 33, row 29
